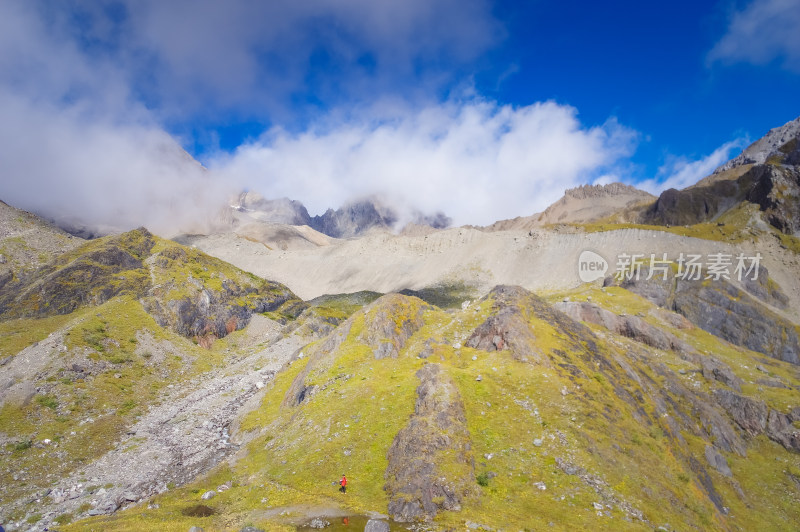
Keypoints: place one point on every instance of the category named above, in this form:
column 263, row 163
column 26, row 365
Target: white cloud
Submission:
column 99, row 172
column 261, row 59
column 86, row 86
column 680, row 172
column 475, row 160
column 763, row 31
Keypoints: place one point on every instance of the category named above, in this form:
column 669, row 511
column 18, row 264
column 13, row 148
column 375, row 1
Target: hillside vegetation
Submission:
column 523, row 418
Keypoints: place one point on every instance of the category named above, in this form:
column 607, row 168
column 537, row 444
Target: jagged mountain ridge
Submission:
column 351, row 219
column 780, row 141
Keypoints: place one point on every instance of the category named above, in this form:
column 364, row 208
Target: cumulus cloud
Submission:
column 88, row 88
column 763, row 31
column 475, row 160
column 680, row 172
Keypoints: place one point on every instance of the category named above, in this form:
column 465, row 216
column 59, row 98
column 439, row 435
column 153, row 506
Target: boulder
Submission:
column 717, row 461
column 749, row 414
column 376, row 525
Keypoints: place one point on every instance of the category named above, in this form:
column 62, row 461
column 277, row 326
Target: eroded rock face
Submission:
column 777, row 193
column 430, row 460
column 629, row 326
column 725, row 311
column 508, row 328
column 719, row 307
column 755, row 417
column 92, row 278
column 774, row 187
column 639, row 330
column 181, row 288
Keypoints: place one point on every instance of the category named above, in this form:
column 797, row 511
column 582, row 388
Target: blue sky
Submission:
column 483, row 110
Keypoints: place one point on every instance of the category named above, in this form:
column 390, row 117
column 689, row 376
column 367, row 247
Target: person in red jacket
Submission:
column 343, row 484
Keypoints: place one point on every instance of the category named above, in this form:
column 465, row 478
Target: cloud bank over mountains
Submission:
column 353, row 97
column 474, row 160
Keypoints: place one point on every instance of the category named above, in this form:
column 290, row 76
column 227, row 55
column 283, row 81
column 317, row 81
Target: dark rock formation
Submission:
column 777, row 192
column 629, row 326
column 749, row 414
column 773, row 187
column 353, row 219
column 719, row 307
column 508, row 327
column 639, row 330
column 693, row 205
column 717, row 461
column 430, row 460
column 209, row 305
column 755, row 417
column 777, row 142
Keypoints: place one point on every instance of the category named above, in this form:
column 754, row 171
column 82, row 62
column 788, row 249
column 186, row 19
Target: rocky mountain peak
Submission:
column 781, row 141
column 603, row 191
column 281, row 210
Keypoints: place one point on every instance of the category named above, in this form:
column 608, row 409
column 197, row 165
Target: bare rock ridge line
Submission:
column 765, row 174
column 419, row 480
column 765, row 147
column 349, row 220
column 601, row 191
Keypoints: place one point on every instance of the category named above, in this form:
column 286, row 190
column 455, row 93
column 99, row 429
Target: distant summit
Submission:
column 351, row 219
column 604, row 191
column 282, row 210
column 780, row 142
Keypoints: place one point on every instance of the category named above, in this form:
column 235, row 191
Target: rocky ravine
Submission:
column 186, row 434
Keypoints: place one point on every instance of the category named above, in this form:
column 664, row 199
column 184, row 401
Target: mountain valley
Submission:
column 463, row 378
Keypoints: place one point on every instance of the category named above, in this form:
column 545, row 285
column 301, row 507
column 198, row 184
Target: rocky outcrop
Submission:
column 391, row 320
column 755, row 418
column 354, row 218
column 694, row 205
column 601, row 191
column 629, row 326
column 777, row 193
column 725, row 311
column 719, row 307
column 776, row 142
column 183, row 289
column 773, row 184
column 586, row 204
column 508, row 328
column 430, row 460
column 638, row 329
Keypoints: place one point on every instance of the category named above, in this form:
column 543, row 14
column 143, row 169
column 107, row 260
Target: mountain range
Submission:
column 616, row 362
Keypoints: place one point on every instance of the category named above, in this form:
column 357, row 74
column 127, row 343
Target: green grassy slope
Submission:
column 603, row 433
